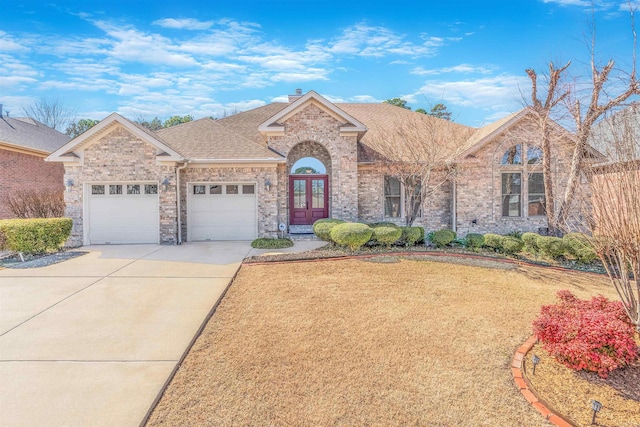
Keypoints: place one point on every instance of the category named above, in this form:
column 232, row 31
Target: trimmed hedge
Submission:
column 444, row 237
column 34, row 235
column 530, row 242
column 266, row 243
column 386, row 235
column 351, row 234
column 411, row 235
column 474, row 241
column 493, row 241
column 578, row 245
column 511, row 245
column 552, row 247
column 322, row 228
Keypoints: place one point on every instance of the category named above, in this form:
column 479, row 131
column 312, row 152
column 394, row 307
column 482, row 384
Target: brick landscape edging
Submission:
column 517, row 368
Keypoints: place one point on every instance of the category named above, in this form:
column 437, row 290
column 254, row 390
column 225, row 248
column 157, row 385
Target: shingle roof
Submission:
column 30, row 134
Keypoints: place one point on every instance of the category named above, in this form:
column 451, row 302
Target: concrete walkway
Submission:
column 91, row 341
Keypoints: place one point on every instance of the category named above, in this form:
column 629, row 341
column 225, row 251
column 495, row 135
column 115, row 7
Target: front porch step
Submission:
column 302, row 237
column 300, row 229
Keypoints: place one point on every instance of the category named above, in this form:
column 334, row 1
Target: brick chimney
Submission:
column 296, row 96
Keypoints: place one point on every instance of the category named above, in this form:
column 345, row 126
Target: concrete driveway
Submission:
column 92, row 340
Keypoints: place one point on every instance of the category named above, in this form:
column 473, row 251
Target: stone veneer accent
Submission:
column 118, row 155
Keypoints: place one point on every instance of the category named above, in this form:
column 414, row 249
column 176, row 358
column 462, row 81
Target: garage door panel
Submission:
column 222, row 216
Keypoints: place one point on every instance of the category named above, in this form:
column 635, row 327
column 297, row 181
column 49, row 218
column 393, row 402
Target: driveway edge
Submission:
column 188, row 349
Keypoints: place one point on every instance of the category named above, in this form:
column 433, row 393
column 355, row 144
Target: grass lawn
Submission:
column 359, row 342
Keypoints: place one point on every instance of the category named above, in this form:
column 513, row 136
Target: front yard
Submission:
column 367, row 342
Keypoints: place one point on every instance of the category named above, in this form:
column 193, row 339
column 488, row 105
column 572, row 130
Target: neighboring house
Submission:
column 232, row 179
column 24, row 144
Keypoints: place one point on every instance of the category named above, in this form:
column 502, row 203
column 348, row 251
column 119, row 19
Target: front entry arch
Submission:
column 308, row 198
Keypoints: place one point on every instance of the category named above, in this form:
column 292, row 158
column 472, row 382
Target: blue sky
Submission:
column 156, row 58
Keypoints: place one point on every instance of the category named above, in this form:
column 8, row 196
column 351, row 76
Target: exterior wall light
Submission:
column 69, row 184
column 165, row 184
column 267, row 184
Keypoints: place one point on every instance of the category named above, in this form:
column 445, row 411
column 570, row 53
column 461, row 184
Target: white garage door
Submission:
column 222, row 212
column 123, row 213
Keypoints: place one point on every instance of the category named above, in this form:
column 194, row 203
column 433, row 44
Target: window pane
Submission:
column 133, row 189
column 299, row 194
column 513, row 156
column 248, row 189
column 97, row 189
column 534, row 155
column 391, row 186
column 536, row 202
column 511, row 205
column 511, row 183
column 392, row 207
column 115, row 189
column 199, row 189
column 232, row 189
column 215, row 189
column 536, row 183
column 317, row 187
column 151, row 189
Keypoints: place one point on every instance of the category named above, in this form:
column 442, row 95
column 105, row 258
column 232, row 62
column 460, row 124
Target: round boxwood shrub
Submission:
column 383, row 224
column 552, row 247
column 386, row 235
column 411, row 235
column 474, row 241
column 511, row 245
column 578, row 245
column 322, row 228
column 530, row 242
column 444, row 237
column 493, row 241
column 351, row 234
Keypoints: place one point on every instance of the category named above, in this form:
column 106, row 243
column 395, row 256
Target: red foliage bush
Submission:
column 594, row 336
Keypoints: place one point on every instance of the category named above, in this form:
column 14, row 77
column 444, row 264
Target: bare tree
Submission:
column 605, row 94
column 418, row 150
column 51, row 112
column 615, row 215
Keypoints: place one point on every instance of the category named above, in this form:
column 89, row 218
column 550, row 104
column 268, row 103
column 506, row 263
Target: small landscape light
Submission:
column 595, row 407
column 165, row 184
column 535, row 360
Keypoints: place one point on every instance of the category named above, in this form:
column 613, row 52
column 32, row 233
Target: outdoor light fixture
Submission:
column 595, row 407
column 69, row 184
column 165, row 184
column 267, row 184
column 535, row 360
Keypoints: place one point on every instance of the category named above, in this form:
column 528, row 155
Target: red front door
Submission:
column 308, row 198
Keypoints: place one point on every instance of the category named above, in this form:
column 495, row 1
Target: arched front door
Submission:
column 308, row 198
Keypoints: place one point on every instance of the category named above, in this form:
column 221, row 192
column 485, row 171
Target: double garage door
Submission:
column 221, row 211
column 123, row 213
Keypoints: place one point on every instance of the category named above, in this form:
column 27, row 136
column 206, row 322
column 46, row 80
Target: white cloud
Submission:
column 9, row 44
column 365, row 98
column 183, row 24
column 461, row 68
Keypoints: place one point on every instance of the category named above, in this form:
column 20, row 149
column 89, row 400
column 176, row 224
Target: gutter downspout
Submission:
column 178, row 169
column 454, row 207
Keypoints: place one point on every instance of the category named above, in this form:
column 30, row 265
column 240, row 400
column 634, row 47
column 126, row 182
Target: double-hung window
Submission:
column 394, row 198
column 522, row 182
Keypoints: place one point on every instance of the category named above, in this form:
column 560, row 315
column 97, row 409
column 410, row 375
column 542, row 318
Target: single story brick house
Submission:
column 241, row 177
column 24, row 144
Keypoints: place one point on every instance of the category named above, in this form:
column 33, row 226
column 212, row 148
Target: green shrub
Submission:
column 511, row 245
column 383, row 224
column 351, row 234
column 516, row 234
column 322, row 228
column 265, row 243
column 444, row 237
column 530, row 242
column 578, row 245
column 386, row 235
column 551, row 247
column 493, row 241
column 36, row 235
column 474, row 241
column 411, row 235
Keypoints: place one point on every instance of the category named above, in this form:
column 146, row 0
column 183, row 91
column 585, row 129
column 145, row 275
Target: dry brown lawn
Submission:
column 356, row 342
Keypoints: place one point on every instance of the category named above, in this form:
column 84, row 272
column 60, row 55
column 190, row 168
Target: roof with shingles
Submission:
column 30, row 134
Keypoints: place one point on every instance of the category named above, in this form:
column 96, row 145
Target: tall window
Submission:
column 511, row 192
column 392, row 197
column 522, row 181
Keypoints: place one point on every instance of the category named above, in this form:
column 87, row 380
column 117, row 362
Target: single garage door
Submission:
column 123, row 213
column 222, row 212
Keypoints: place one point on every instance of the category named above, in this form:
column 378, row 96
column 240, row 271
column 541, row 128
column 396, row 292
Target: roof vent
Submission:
column 296, row 96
